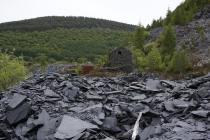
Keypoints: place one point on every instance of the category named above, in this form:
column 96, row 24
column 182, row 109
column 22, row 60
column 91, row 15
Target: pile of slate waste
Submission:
column 54, row 106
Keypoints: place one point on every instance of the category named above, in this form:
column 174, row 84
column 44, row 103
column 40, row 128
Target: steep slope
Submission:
column 182, row 15
column 52, row 22
column 194, row 36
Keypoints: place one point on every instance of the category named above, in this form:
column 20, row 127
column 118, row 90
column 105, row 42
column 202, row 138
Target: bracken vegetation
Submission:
column 12, row 70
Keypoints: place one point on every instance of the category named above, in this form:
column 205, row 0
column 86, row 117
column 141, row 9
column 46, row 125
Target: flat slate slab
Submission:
column 50, row 93
column 18, row 114
column 16, row 100
column 71, row 127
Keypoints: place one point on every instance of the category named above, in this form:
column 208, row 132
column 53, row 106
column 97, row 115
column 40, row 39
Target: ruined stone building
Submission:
column 122, row 58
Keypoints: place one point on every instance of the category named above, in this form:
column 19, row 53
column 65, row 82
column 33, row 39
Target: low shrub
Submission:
column 101, row 60
column 180, row 62
column 12, row 70
column 154, row 61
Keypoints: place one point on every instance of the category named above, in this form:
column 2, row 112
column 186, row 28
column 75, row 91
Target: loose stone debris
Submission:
column 54, row 106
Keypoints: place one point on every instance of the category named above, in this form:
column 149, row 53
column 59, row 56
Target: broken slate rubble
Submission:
column 55, row 106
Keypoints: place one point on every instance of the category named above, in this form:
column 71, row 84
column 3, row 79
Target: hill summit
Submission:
column 52, row 22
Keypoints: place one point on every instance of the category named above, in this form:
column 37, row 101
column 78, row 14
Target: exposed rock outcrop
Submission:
column 195, row 36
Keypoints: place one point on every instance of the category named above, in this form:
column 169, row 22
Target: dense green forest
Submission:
column 51, row 39
column 183, row 14
column 12, row 70
column 53, row 22
column 63, row 44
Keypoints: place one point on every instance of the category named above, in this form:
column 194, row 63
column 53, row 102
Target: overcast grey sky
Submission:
column 127, row 11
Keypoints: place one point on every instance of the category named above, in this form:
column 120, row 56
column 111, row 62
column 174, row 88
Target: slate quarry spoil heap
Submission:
column 54, row 106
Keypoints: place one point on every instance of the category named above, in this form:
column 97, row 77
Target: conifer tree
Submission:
column 169, row 41
column 139, row 37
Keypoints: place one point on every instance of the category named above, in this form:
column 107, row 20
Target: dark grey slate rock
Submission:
column 183, row 124
column 169, row 84
column 113, row 92
column 101, row 116
column 153, row 85
column 138, row 97
column 42, row 118
column 22, row 130
column 147, row 133
column 200, row 113
column 203, row 92
column 71, row 127
column 16, row 100
column 207, row 106
column 49, row 129
column 110, row 124
column 4, row 135
column 200, row 126
column 94, row 107
column 181, row 104
column 50, row 93
column 94, row 97
column 169, row 106
column 18, row 114
column 71, row 94
column 97, row 121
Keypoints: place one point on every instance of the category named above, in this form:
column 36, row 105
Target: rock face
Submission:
column 54, row 106
column 122, row 58
column 195, row 36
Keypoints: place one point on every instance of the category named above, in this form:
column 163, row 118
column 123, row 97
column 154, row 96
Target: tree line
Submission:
column 52, row 22
column 183, row 14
